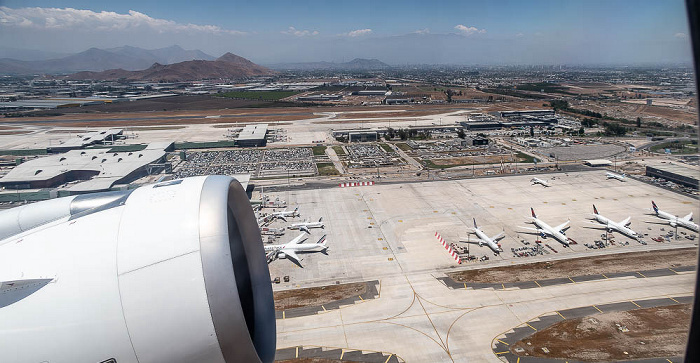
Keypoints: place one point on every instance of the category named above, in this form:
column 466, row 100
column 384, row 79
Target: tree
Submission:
column 532, row 132
column 461, row 134
column 581, row 131
column 639, row 122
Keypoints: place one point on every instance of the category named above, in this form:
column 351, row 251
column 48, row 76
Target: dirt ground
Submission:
column 654, row 332
column 594, row 265
column 469, row 160
column 315, row 296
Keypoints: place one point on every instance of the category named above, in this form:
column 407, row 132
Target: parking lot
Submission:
column 258, row 163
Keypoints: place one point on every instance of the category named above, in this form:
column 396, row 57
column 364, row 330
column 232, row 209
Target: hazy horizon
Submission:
column 395, row 32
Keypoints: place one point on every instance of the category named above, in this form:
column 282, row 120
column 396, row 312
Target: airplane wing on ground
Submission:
column 473, row 242
column 291, row 255
column 498, row 236
column 305, row 229
column 562, row 226
column 689, row 217
column 282, row 218
column 626, row 222
column 534, row 230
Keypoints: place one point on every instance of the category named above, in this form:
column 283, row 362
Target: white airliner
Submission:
column 285, row 213
column 491, row 242
column 674, row 220
column 611, row 175
column 544, row 183
column 614, row 226
column 306, row 225
column 289, row 250
column 544, row 230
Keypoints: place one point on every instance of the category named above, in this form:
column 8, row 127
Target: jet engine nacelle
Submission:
column 170, row 272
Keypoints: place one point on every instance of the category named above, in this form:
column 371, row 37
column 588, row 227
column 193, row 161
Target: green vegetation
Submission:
column 326, row 169
column 524, row 158
column 677, row 147
column 319, row 150
column 386, row 148
column 258, row 95
column 543, row 86
column 403, row 146
column 339, row 150
column 432, row 165
column 614, row 129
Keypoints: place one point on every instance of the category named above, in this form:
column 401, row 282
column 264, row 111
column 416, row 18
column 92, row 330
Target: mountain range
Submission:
column 95, row 59
column 357, row 64
column 228, row 66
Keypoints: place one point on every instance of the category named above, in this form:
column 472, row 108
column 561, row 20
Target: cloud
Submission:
column 299, row 33
column 681, row 35
column 469, row 30
column 359, row 32
column 519, row 35
column 422, row 31
column 69, row 18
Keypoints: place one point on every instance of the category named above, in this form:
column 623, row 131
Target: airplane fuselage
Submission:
column 488, row 241
column 548, row 230
column 615, row 226
column 675, row 220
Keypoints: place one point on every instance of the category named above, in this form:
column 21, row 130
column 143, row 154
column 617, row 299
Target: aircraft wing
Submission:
column 292, row 256
column 473, row 242
column 282, row 218
column 625, row 222
column 304, row 228
column 534, row 230
column 561, row 226
column 689, row 217
column 498, row 236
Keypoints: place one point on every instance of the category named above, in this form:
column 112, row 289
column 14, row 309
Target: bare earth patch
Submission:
column 594, row 265
column 315, row 296
column 653, row 332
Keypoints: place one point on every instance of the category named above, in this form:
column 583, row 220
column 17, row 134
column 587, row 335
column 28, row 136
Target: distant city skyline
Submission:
column 395, row 32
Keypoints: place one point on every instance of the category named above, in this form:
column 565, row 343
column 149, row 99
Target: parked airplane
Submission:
column 611, row 175
column 289, row 250
column 491, row 242
column 306, row 225
column 544, row 230
column 285, row 213
column 536, row 180
column 675, row 220
column 614, row 226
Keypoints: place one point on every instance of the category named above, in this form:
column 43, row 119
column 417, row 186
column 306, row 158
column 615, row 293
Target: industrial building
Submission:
column 363, row 136
column 95, row 169
column 475, row 141
column 674, row 173
column 252, row 135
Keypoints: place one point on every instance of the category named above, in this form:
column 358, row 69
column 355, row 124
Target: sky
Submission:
column 396, row 32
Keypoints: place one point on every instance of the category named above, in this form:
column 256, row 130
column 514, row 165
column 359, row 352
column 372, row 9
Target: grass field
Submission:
column 386, row 148
column 319, row 150
column 327, row 169
column 677, row 147
column 339, row 150
column 403, row 146
column 259, row 95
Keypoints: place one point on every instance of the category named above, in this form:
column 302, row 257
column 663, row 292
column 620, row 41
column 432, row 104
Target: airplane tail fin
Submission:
column 320, row 219
column 533, row 212
column 474, row 219
column 594, row 209
column 656, row 209
column 322, row 240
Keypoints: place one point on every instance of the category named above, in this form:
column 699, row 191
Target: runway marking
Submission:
column 597, row 308
column 502, row 342
column 324, row 308
column 360, row 296
column 387, row 359
column 640, row 274
column 604, row 276
column 572, row 280
column 677, row 302
column 342, row 353
column 497, row 353
column 283, row 315
column 465, row 285
column 503, row 287
column 297, row 353
column 562, row 316
column 537, row 283
column 637, row 305
column 669, row 361
column 518, row 361
column 673, row 270
column 533, row 328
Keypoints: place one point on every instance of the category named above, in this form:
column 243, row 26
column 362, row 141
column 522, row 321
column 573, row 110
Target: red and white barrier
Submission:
column 355, row 184
column 448, row 248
